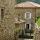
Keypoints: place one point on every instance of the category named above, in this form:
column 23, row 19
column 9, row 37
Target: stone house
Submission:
column 28, row 12
column 8, row 13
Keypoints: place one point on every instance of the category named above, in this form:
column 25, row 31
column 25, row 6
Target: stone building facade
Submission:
column 7, row 19
column 7, row 25
column 28, row 7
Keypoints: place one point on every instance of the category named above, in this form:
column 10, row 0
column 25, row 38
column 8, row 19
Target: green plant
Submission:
column 38, row 20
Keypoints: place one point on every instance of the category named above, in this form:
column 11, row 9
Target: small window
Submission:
column 2, row 13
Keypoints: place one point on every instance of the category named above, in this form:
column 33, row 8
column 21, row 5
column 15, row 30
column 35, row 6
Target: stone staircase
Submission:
column 27, row 35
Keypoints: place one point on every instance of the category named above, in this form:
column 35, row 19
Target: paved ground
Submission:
column 28, row 39
column 25, row 39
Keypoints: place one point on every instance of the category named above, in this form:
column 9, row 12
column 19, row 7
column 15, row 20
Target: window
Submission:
column 27, row 15
column 2, row 13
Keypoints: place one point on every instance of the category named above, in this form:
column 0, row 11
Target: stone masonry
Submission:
column 7, row 24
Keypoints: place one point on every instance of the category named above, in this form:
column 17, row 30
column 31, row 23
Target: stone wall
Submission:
column 7, row 24
column 37, row 33
column 38, row 12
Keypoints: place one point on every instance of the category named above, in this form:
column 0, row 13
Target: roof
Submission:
column 27, row 4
